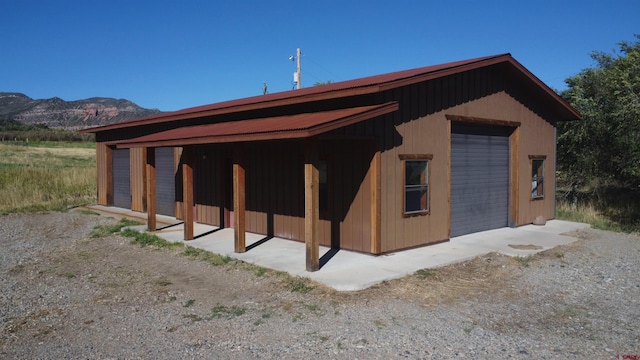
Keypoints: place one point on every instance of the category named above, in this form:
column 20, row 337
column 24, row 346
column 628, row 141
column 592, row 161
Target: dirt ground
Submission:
column 65, row 293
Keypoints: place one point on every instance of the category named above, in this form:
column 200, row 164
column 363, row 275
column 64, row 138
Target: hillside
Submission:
column 70, row 115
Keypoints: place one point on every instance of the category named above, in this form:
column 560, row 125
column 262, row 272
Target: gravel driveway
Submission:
column 64, row 294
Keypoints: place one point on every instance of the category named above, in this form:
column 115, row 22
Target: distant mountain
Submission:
column 70, row 115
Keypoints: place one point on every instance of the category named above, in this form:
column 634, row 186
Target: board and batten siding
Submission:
column 420, row 126
column 275, row 190
column 177, row 154
column 207, row 185
column 536, row 137
column 138, row 159
column 104, row 173
column 533, row 131
column 274, row 169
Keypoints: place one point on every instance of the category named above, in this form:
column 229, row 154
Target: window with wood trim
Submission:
column 537, row 176
column 415, row 175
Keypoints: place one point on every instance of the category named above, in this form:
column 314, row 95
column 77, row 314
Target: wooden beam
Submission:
column 311, row 205
column 187, row 192
column 239, row 204
column 376, row 225
column 150, row 172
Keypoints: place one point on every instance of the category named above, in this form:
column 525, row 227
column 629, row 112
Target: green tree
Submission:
column 604, row 148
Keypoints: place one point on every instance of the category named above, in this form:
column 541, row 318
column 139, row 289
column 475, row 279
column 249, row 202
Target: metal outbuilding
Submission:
column 374, row 165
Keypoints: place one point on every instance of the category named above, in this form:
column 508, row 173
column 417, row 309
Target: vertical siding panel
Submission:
column 365, row 195
column 254, row 176
column 136, row 167
column 286, row 174
column 355, row 211
column 324, row 223
column 345, row 168
column 267, row 201
column 263, row 181
column 250, row 190
column 279, row 192
column 298, row 193
column 291, row 195
column 216, row 194
column 104, row 173
column 177, row 154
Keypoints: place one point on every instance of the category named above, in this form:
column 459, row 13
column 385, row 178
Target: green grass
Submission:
column 424, row 273
column 145, row 239
column 524, row 261
column 260, row 271
column 35, row 179
column 298, row 284
column 211, row 258
column 227, row 312
column 106, row 230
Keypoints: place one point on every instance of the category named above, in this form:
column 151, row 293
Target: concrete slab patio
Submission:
column 350, row 271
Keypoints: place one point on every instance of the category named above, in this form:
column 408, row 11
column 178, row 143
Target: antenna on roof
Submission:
column 296, row 75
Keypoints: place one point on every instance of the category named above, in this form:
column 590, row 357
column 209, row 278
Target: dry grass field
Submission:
column 48, row 176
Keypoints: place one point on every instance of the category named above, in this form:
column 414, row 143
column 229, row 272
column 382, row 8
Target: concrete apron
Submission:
column 351, row 271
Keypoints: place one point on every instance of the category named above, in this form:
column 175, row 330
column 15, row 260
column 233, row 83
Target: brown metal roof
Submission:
column 366, row 85
column 279, row 127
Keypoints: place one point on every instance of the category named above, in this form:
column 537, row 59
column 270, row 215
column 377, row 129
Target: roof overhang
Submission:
column 260, row 129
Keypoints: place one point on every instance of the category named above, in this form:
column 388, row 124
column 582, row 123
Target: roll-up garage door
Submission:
column 165, row 182
column 121, row 178
column 479, row 178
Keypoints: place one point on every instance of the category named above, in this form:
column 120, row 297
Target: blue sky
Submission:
column 177, row 54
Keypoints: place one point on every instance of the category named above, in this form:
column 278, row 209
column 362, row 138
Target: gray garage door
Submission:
column 121, row 178
column 165, row 182
column 479, row 179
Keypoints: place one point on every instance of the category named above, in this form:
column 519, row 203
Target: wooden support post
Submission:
column 239, row 204
column 187, row 192
column 311, row 205
column 376, row 233
column 150, row 172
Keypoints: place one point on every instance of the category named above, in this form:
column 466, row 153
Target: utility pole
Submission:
column 299, row 79
column 296, row 75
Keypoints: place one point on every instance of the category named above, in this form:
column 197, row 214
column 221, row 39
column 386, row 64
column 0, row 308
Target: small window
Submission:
column 537, row 178
column 416, row 184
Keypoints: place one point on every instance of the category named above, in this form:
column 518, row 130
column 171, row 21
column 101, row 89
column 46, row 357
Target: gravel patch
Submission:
column 64, row 294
